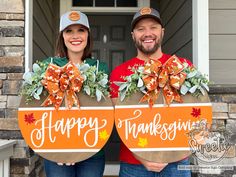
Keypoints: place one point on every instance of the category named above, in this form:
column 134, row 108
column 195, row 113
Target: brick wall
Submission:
column 24, row 162
column 11, row 56
column 223, row 99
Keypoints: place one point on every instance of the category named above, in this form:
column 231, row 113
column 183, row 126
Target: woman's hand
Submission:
column 152, row 166
column 67, row 164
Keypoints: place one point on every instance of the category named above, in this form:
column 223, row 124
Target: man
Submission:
column 147, row 33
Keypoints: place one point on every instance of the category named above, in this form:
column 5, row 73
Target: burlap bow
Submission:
column 60, row 82
column 168, row 77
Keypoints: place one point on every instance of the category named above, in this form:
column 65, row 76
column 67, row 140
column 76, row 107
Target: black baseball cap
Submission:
column 144, row 13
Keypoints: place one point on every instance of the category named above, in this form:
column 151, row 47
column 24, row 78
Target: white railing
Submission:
column 6, row 151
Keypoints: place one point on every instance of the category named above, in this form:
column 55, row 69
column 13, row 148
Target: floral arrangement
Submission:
column 64, row 81
column 174, row 79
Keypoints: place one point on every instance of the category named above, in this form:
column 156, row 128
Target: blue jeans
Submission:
column 92, row 167
column 171, row 170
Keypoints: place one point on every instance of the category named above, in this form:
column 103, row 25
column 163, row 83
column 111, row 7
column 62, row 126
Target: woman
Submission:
column 74, row 44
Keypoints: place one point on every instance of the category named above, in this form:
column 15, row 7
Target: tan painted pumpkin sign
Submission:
column 177, row 105
column 160, row 133
column 67, row 135
column 63, row 133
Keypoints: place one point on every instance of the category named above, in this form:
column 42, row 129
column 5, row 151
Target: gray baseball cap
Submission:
column 144, row 13
column 73, row 17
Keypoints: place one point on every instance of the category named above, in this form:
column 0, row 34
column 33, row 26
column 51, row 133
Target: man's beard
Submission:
column 148, row 51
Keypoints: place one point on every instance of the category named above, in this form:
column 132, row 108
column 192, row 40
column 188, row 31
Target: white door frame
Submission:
column 28, row 34
column 200, row 38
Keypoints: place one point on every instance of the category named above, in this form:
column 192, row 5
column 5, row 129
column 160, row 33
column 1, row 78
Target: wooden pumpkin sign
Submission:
column 67, row 135
column 160, row 133
column 63, row 133
column 161, row 129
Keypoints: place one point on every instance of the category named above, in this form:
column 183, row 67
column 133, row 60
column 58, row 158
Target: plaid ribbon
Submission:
column 62, row 82
column 168, row 78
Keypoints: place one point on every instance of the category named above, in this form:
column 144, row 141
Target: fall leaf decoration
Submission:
column 142, row 142
column 196, row 112
column 168, row 77
column 103, row 135
column 29, row 118
column 174, row 79
column 64, row 81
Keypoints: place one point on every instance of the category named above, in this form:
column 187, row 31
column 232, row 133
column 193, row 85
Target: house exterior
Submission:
column 200, row 30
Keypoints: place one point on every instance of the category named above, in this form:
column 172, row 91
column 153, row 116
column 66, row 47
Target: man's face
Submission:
column 147, row 35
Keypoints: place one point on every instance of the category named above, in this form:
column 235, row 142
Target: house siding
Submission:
column 222, row 39
column 177, row 20
column 45, row 28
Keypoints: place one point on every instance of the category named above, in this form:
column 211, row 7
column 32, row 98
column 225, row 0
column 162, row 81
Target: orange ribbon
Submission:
column 60, row 82
column 169, row 77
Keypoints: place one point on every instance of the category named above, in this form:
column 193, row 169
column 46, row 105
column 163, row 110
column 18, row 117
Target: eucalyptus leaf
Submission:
column 127, row 88
column 205, row 86
column 192, row 74
column 188, row 84
column 87, row 90
column 129, row 79
column 84, row 67
column 193, row 89
column 202, row 90
column 98, row 95
column 119, row 83
column 184, row 89
column 140, row 82
column 123, row 86
column 28, row 77
column 93, row 77
column 36, row 67
column 39, row 90
column 103, row 82
column 142, row 89
column 122, row 95
column 36, row 96
column 106, row 76
column 84, row 77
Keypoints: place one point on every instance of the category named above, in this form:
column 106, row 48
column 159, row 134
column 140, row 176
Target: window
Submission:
column 104, row 3
column 127, row 3
column 83, row 3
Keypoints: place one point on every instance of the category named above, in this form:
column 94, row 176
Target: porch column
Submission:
column 201, row 35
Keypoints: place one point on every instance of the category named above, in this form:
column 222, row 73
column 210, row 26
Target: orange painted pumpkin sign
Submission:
column 67, row 135
column 160, row 133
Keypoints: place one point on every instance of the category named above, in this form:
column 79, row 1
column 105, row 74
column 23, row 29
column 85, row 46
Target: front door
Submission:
column 112, row 44
column 112, row 39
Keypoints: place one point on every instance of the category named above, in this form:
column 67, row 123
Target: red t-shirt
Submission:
column 117, row 75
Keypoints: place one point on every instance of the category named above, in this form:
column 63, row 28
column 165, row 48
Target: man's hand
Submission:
column 152, row 166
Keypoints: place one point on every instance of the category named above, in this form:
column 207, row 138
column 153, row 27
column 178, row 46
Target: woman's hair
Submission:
column 61, row 49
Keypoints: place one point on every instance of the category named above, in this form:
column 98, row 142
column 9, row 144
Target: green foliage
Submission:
column 132, row 84
column 195, row 83
column 32, row 86
column 95, row 82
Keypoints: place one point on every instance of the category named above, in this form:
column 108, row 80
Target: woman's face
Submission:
column 75, row 38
